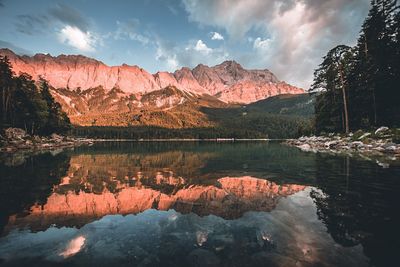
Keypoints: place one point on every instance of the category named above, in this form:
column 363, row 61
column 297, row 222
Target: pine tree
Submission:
column 330, row 83
column 58, row 120
column 373, row 78
column 370, row 74
column 26, row 106
column 30, row 108
column 6, row 89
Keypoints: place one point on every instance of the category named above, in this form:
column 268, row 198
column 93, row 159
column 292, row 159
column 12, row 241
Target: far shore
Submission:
column 183, row 140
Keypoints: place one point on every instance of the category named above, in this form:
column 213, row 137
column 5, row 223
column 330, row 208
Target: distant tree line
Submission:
column 252, row 127
column 29, row 106
column 359, row 87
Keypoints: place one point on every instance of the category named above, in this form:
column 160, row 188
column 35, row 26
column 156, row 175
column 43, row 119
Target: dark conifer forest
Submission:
column 359, row 87
column 29, row 105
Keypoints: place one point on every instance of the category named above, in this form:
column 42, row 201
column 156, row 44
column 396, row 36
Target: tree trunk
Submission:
column 346, row 114
column 373, row 88
column 4, row 105
column 374, row 105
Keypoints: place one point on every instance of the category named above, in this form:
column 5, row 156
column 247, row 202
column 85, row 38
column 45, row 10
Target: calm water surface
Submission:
column 198, row 204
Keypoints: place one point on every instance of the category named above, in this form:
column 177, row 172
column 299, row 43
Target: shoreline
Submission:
column 16, row 140
column 45, row 146
column 378, row 144
column 184, row 140
column 71, row 142
column 321, row 144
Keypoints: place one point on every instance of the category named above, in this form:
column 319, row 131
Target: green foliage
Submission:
column 331, row 83
column 298, row 105
column 263, row 119
column 58, row 120
column 371, row 76
column 232, row 124
column 27, row 106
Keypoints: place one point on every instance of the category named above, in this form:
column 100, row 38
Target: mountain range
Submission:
column 93, row 93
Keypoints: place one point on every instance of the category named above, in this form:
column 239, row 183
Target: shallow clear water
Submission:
column 198, row 204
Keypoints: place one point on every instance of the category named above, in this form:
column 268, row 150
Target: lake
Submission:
column 198, row 204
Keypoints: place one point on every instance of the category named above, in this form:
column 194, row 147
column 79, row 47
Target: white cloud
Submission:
column 173, row 56
column 293, row 35
column 129, row 30
column 73, row 36
column 201, row 47
column 261, row 44
column 163, row 54
column 216, row 36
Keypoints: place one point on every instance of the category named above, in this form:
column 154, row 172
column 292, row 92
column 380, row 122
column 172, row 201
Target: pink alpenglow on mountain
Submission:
column 229, row 81
column 231, row 199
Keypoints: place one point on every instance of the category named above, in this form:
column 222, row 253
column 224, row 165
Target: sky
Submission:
column 288, row 37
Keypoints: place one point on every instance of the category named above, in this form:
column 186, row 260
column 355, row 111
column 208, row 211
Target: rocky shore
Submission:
column 382, row 142
column 15, row 139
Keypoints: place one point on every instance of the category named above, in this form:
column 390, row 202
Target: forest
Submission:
column 359, row 87
column 255, row 126
column 354, row 88
column 29, row 105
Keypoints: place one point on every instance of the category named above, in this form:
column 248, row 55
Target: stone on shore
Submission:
column 364, row 136
column 384, row 143
column 15, row 134
column 57, row 138
column 381, row 130
column 15, row 139
column 305, row 147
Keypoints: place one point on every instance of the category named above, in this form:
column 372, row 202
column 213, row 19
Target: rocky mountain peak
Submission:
column 230, row 64
column 7, row 52
column 228, row 81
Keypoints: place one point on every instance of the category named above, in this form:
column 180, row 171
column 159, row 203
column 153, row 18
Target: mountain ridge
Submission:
column 202, row 101
column 228, row 81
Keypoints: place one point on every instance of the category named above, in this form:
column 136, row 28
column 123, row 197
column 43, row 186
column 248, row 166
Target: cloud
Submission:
column 174, row 56
column 1, row 3
column 16, row 49
column 73, row 36
column 58, row 16
column 166, row 54
column 70, row 16
column 200, row 47
column 72, row 28
column 172, row 9
column 288, row 36
column 31, row 24
column 216, row 36
column 261, row 44
column 129, row 29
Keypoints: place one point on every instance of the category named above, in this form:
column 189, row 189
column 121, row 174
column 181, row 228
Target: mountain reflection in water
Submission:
column 197, row 204
column 229, row 198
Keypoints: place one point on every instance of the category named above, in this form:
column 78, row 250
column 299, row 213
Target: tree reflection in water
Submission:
column 355, row 201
